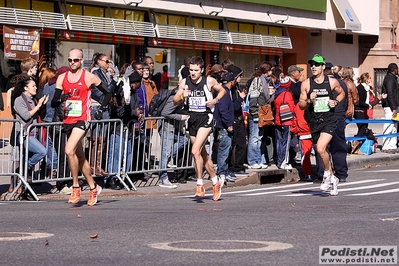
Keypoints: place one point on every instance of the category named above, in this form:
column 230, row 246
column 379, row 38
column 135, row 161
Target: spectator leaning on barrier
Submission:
column 390, row 105
column 99, row 67
column 27, row 111
column 121, row 99
column 73, row 87
column 173, row 139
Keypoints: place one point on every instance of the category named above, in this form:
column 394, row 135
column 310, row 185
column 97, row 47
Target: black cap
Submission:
column 329, row 65
column 235, row 70
column 134, row 77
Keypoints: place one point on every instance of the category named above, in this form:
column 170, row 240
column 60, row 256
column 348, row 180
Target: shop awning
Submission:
column 260, row 40
column 110, row 26
column 250, row 49
column 191, row 33
column 81, row 36
column 183, row 44
column 350, row 20
column 31, row 18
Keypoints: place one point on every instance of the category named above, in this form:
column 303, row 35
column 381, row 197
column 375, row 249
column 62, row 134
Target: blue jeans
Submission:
column 225, row 140
column 283, row 139
column 254, row 143
column 52, row 158
column 37, row 149
column 172, row 146
column 117, row 143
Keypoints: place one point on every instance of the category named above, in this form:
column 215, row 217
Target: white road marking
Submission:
column 22, row 236
column 310, row 188
column 375, row 192
column 345, row 189
column 266, row 246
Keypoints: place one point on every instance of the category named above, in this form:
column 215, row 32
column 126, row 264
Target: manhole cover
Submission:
column 17, row 236
column 221, row 246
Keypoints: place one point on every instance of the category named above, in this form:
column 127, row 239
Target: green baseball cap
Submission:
column 317, row 59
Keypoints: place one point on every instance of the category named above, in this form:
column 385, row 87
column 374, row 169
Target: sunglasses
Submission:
column 314, row 64
column 106, row 61
column 75, row 60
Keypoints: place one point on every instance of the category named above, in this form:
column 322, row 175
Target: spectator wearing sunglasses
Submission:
column 99, row 67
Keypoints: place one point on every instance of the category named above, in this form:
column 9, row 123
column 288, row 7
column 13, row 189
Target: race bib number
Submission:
column 197, row 104
column 320, row 104
column 73, row 108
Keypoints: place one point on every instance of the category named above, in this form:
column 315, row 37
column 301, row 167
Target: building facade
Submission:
column 246, row 31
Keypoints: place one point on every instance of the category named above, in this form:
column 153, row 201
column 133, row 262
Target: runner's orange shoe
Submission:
column 93, row 195
column 217, row 189
column 200, row 191
column 75, row 195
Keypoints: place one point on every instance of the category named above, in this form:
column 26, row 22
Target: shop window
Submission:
column 161, row 19
column 20, row 4
column 248, row 28
column 197, row 22
column 92, row 11
column 264, row 30
column 117, row 13
column 275, row 31
column 43, row 6
column 233, row 26
column 134, row 15
column 177, row 20
column 211, row 24
column 75, row 9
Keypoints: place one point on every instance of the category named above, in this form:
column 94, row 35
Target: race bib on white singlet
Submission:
column 197, row 104
column 73, row 108
column 320, row 104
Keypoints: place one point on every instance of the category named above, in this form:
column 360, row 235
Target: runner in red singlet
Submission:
column 73, row 87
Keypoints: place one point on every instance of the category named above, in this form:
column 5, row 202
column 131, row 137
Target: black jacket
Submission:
column 390, row 87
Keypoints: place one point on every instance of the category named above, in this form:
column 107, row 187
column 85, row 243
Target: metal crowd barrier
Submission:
column 146, row 144
column 372, row 121
column 12, row 156
column 138, row 152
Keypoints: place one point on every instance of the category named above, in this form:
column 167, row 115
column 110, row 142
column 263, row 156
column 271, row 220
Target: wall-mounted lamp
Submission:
column 212, row 13
column 133, row 3
column 278, row 21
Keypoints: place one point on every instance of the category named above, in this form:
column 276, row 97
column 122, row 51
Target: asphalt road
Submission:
column 272, row 224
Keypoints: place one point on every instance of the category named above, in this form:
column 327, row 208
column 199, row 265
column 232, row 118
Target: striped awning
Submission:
column 247, row 49
column 80, row 36
column 183, row 44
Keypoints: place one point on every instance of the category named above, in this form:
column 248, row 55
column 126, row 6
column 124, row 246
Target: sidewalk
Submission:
column 256, row 177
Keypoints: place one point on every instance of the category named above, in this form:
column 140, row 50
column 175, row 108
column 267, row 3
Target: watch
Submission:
column 217, row 99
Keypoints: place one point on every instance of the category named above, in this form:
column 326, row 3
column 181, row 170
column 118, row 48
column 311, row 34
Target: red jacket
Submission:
column 285, row 96
column 299, row 126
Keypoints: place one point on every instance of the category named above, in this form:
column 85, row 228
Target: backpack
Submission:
column 159, row 101
column 256, row 96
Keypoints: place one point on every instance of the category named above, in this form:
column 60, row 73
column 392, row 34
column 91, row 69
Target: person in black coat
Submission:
column 390, row 105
